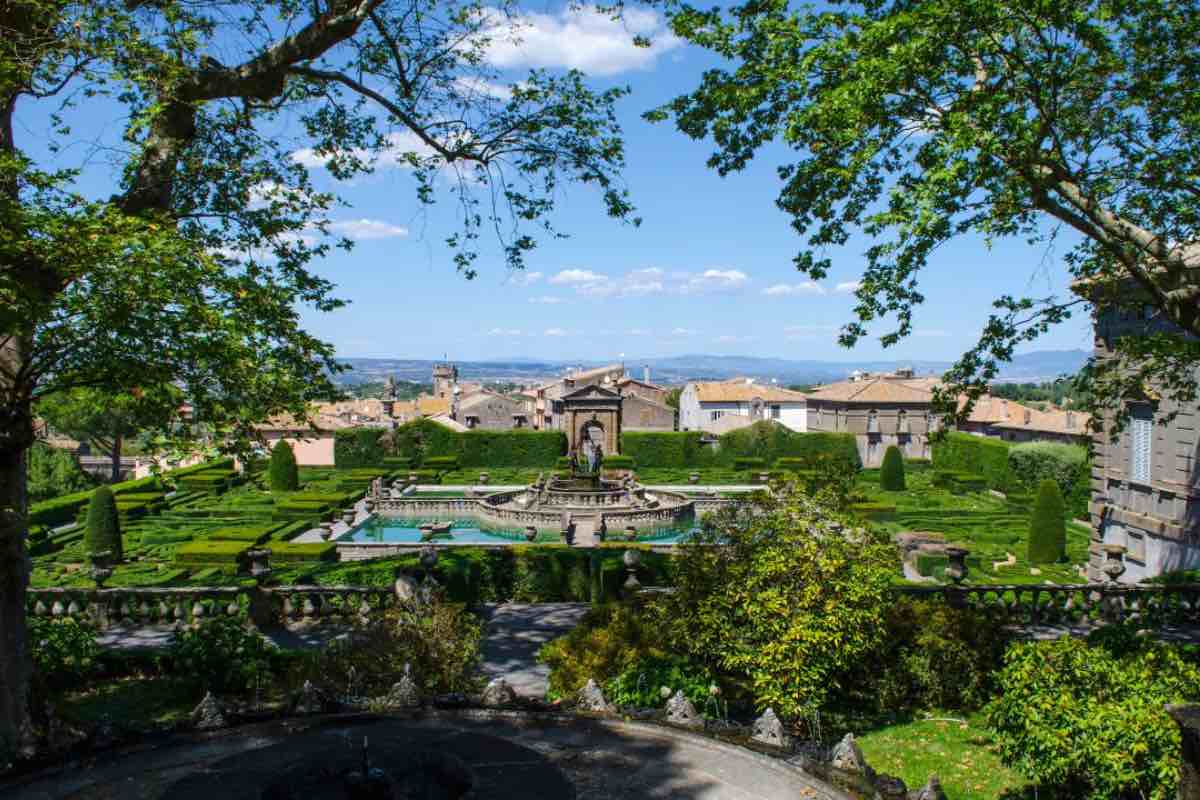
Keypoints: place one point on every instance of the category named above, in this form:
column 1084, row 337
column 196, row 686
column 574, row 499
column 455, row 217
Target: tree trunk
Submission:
column 16, row 436
column 115, row 455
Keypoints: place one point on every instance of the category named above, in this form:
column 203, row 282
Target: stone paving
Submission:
column 513, row 635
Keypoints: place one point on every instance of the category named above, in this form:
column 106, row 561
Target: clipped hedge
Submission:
column 103, row 524
column 283, row 472
column 254, row 534
column 964, row 453
column 618, row 462
column 1067, row 465
column 749, row 463
column 675, row 449
column 446, row 463
column 767, row 441
column 891, row 473
column 211, row 552
column 426, row 443
column 1047, row 525
column 287, row 552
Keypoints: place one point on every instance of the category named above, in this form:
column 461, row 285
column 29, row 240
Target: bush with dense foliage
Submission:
column 427, row 443
column 53, row 472
column 64, row 653
column 962, row 452
column 440, row 646
column 891, row 472
column 1068, row 465
column 607, row 642
column 641, row 684
column 221, row 656
column 103, row 525
column 358, row 447
column 283, row 472
column 932, row 656
column 1086, row 719
column 1048, row 525
column 794, row 598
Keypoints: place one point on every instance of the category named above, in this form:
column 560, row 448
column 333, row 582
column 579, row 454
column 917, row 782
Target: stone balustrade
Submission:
column 297, row 605
column 1073, row 604
column 138, row 606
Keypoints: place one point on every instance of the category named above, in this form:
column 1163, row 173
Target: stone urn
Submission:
column 429, row 557
column 412, row 477
column 370, row 505
column 632, row 559
column 484, row 478
column 630, row 534
column 260, row 564
column 1114, row 561
column 530, row 533
column 693, row 477
column 957, row 569
column 348, row 515
column 102, row 567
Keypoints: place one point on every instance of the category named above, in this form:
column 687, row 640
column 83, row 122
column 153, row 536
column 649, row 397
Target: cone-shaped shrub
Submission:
column 891, row 474
column 1047, row 525
column 103, row 525
column 285, row 477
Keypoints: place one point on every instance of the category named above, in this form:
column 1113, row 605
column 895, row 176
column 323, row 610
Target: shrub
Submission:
column 210, row 552
column 219, row 656
column 441, row 645
column 103, row 525
column 53, row 472
column 618, row 462
column 284, row 474
column 764, row 440
column 932, row 656
column 803, row 587
column 749, row 462
column 285, row 552
column 1047, row 526
column 891, row 473
column 640, row 684
column 1086, row 721
column 962, row 452
column 64, row 653
column 608, row 641
column 358, row 447
column 441, row 462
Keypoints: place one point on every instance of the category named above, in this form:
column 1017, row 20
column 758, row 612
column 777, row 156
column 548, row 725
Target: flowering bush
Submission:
column 221, row 656
column 64, row 652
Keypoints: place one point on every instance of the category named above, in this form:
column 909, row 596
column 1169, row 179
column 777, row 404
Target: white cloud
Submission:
column 683, row 332
column 847, row 287
column 360, row 229
column 714, row 280
column 504, row 332
column 577, row 38
column 578, row 276
column 400, row 149
column 784, row 289
column 522, row 278
column 728, row 339
column 638, row 332
column 546, row 300
column 472, row 87
column 554, row 332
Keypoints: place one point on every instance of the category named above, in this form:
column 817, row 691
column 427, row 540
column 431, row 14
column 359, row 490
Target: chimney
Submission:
column 568, row 383
column 646, row 373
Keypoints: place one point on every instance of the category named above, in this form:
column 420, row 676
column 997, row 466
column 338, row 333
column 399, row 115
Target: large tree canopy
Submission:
column 917, row 122
column 191, row 264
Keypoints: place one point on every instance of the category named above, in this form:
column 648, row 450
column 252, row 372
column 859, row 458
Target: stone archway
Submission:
column 593, row 442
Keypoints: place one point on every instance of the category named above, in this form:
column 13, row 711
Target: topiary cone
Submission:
column 891, row 473
column 103, row 524
column 283, row 472
column 1047, row 525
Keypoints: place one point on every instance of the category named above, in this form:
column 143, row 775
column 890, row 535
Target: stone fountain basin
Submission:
column 510, row 755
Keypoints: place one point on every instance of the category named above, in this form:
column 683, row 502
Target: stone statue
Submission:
column 389, row 388
column 593, row 454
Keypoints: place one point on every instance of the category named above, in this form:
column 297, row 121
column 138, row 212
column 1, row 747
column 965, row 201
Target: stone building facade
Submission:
column 1146, row 484
column 645, row 403
column 487, row 410
column 709, row 406
column 881, row 411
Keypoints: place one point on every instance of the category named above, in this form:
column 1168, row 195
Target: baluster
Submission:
column 364, row 607
column 143, row 610
column 39, row 608
column 1035, row 611
column 198, row 610
column 57, row 609
column 180, row 611
column 232, row 609
column 73, row 607
column 310, row 607
column 1135, row 606
column 289, row 608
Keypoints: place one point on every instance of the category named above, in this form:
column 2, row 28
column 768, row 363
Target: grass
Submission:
column 137, row 703
column 959, row 753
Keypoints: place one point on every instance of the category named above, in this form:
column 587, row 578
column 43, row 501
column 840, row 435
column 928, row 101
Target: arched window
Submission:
column 872, row 421
column 901, row 422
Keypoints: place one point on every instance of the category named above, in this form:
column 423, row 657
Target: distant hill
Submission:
column 1040, row 365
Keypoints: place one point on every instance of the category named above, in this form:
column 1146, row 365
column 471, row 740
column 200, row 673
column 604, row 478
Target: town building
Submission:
column 644, row 406
column 881, row 410
column 1011, row 421
column 1146, row 482
column 720, row 406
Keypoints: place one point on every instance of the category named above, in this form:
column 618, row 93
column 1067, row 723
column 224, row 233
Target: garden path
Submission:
column 513, row 634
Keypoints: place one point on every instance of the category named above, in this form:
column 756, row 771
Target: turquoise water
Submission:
column 407, row 531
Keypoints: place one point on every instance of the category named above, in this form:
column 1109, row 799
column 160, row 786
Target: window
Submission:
column 873, row 421
column 1141, row 438
column 901, row 422
column 775, row 412
column 716, row 415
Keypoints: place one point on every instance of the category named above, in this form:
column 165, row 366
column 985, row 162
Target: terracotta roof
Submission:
column 877, row 390
column 427, row 406
column 730, row 392
column 1053, row 420
column 989, row 409
column 289, row 423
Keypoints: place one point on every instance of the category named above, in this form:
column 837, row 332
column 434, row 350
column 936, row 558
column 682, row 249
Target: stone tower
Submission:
column 445, row 376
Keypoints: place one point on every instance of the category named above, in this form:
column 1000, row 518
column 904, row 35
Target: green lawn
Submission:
column 959, row 753
column 136, row 704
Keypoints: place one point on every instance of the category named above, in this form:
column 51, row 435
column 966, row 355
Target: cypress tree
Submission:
column 103, row 525
column 1047, row 525
column 285, row 476
column 891, row 473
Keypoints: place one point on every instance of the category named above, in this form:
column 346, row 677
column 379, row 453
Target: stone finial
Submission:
column 209, row 715
column 932, row 790
column 768, row 729
column 498, row 693
column 592, row 699
column 848, row 757
column 404, row 693
column 680, row 711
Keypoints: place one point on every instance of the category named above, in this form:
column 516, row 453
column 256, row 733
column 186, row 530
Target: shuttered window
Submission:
column 1141, row 434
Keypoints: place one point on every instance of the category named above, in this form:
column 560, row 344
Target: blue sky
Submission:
column 709, row 270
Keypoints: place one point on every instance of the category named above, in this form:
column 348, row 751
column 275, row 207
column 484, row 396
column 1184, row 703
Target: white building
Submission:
column 722, row 406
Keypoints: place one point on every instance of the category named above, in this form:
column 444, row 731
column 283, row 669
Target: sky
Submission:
column 708, row 271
